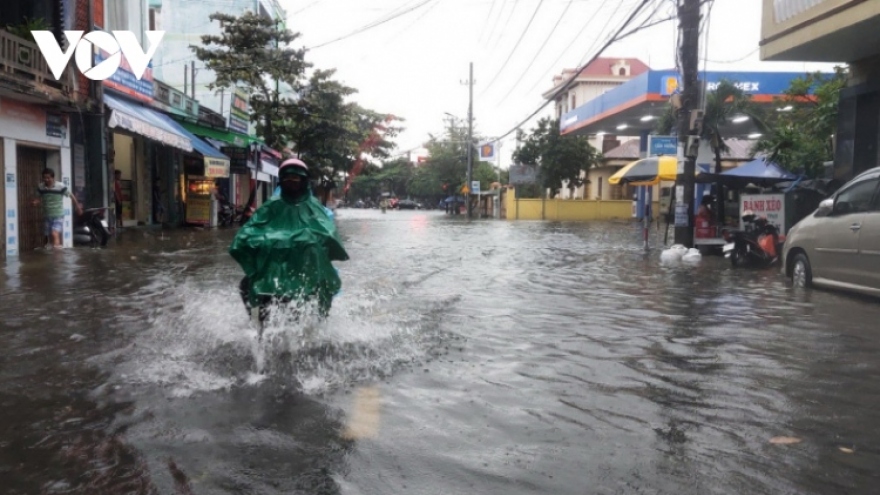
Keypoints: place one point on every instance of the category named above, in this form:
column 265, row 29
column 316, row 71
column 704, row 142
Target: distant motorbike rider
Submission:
column 287, row 247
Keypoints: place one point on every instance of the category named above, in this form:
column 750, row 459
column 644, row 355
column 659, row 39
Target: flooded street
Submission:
column 482, row 357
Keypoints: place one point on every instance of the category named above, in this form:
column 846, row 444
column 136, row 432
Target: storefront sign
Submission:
column 10, row 181
column 239, row 116
column 216, row 168
column 17, row 110
column 771, row 206
column 198, row 209
column 55, row 125
column 238, row 159
column 125, row 82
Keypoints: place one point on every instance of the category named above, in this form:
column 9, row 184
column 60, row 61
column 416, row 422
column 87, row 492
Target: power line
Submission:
column 562, row 53
column 506, row 22
column 372, row 24
column 521, row 36
column 544, row 44
column 571, row 79
column 489, row 17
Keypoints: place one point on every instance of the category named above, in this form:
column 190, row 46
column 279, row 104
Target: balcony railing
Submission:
column 22, row 61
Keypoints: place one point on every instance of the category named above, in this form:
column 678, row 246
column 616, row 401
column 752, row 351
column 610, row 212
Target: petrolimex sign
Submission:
column 82, row 47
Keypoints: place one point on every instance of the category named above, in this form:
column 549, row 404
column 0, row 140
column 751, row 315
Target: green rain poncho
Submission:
column 286, row 250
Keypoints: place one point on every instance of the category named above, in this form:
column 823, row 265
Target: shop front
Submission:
column 139, row 137
column 32, row 138
column 206, row 177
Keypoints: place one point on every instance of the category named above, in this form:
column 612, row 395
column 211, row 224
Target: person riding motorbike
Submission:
column 287, row 247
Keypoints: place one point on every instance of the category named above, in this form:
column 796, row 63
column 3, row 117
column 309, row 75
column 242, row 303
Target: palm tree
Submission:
column 721, row 106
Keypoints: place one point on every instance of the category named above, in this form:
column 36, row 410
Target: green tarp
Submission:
column 286, row 250
column 230, row 137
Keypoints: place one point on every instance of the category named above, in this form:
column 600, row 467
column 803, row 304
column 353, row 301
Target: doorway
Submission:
column 31, row 162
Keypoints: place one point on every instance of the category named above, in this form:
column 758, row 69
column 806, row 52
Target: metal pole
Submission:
column 192, row 74
column 689, row 22
column 470, row 144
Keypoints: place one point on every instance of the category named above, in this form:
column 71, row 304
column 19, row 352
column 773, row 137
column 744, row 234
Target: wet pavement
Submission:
column 461, row 357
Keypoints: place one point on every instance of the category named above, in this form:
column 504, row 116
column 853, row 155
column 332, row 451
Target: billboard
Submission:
column 523, row 174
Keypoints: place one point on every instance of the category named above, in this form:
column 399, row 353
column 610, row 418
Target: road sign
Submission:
column 662, row 145
column 465, row 190
column 475, row 186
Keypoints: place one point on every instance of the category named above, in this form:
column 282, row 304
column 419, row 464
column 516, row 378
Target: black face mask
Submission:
column 292, row 188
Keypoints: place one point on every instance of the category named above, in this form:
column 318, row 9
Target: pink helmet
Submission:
column 295, row 166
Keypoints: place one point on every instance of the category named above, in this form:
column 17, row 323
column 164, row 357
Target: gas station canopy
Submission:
column 633, row 108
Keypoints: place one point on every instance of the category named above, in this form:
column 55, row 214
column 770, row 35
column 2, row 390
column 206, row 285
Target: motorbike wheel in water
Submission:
column 801, row 272
column 738, row 256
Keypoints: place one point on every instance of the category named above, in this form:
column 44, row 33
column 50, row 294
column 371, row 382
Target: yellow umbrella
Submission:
column 647, row 171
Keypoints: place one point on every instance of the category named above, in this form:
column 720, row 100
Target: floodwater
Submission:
column 484, row 357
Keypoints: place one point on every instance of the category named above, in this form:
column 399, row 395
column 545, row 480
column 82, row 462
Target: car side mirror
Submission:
column 825, row 207
column 842, row 208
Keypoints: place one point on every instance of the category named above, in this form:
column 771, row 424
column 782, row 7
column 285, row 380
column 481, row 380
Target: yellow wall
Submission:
column 567, row 209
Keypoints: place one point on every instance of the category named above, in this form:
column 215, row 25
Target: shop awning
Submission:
column 216, row 163
column 146, row 122
column 229, row 137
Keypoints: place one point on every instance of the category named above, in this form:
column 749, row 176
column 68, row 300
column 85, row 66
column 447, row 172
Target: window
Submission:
column 858, row 197
column 152, row 22
column 163, row 94
column 573, row 102
column 189, row 106
column 176, row 99
column 622, row 72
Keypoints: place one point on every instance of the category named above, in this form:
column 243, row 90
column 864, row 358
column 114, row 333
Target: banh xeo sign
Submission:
column 216, row 168
column 82, row 48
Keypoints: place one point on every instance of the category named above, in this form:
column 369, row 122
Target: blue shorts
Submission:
column 52, row 224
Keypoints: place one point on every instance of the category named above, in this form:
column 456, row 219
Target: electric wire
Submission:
column 488, row 18
column 562, row 88
column 521, row 36
column 506, row 22
column 572, row 43
column 543, row 45
column 372, row 25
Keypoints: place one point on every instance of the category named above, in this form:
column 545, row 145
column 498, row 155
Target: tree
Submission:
column 312, row 117
column 800, row 136
column 253, row 54
column 561, row 159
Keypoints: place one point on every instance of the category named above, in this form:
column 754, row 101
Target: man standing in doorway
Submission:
column 52, row 195
column 117, row 193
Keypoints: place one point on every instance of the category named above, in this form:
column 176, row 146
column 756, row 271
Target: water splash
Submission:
column 199, row 338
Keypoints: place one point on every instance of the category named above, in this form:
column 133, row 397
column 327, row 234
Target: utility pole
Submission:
column 470, row 139
column 689, row 118
column 192, row 73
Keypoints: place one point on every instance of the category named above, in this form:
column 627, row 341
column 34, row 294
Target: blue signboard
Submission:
column 662, row 145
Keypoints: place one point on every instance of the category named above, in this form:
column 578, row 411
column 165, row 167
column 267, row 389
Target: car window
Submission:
column 858, row 196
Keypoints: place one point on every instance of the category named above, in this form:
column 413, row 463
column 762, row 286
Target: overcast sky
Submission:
column 415, row 65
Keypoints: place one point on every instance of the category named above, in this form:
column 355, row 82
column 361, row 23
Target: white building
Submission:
column 591, row 82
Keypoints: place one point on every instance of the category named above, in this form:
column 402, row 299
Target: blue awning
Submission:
column 146, row 122
column 216, row 163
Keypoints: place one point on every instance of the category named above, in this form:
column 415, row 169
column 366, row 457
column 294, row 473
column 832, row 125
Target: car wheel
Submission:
column 801, row 273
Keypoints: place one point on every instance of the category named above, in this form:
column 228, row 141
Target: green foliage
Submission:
column 310, row 115
column 561, row 159
column 24, row 28
column 800, row 136
column 253, row 53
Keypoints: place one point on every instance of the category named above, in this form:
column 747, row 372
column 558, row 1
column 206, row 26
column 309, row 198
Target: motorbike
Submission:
column 758, row 243
column 229, row 215
column 91, row 228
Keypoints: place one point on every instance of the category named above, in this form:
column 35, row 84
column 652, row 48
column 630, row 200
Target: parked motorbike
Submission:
column 91, row 228
column 759, row 243
column 229, row 215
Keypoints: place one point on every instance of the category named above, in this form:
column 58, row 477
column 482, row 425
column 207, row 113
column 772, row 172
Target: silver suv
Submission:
column 838, row 245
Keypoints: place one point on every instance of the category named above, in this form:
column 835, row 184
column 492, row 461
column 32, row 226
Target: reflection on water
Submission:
column 461, row 357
